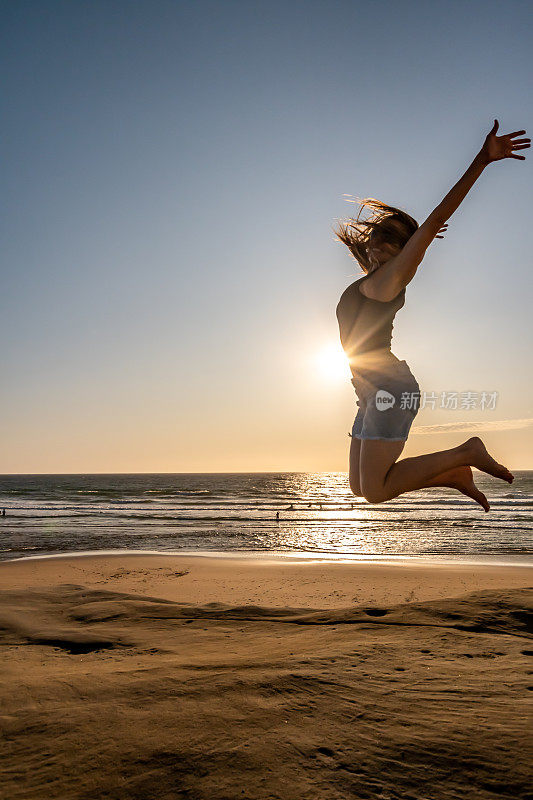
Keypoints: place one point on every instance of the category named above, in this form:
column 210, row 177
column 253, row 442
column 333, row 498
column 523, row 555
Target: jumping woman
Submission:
column 389, row 246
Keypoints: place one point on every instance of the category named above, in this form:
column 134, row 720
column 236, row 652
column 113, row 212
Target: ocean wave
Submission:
column 58, row 513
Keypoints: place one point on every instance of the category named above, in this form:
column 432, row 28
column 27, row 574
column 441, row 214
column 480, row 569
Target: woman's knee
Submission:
column 375, row 498
column 374, row 494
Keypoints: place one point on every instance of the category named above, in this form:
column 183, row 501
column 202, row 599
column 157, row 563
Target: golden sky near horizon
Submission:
column 298, row 425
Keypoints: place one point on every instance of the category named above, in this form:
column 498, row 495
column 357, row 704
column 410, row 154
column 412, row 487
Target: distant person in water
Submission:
column 389, row 246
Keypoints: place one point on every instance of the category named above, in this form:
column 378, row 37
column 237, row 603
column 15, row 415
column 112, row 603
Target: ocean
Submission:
column 236, row 514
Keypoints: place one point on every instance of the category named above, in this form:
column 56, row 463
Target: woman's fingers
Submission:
column 495, row 127
column 522, row 158
column 516, row 133
column 520, row 146
column 520, row 141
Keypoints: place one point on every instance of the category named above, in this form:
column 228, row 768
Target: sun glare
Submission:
column 332, row 363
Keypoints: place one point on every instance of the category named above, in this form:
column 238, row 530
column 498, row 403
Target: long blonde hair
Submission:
column 355, row 233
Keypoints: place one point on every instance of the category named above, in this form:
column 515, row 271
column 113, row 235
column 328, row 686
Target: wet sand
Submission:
column 165, row 676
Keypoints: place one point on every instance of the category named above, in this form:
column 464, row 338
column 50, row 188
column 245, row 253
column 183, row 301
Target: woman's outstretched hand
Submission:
column 498, row 147
column 442, row 231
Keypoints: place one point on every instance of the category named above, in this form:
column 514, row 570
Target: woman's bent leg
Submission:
column 383, row 478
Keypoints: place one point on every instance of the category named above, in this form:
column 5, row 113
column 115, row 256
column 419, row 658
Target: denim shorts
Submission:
column 388, row 400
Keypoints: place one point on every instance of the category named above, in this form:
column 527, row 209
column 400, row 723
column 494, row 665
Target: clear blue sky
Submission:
column 172, row 172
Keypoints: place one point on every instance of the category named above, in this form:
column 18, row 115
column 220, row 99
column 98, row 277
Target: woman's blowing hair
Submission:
column 355, row 233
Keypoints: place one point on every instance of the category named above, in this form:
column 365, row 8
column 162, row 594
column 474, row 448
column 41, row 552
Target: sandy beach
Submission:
column 162, row 676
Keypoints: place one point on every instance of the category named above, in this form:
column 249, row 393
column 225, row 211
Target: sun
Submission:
column 331, row 362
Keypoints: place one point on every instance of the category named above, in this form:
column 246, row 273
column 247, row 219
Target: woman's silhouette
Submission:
column 389, row 246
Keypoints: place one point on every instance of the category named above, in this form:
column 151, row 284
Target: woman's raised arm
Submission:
column 395, row 274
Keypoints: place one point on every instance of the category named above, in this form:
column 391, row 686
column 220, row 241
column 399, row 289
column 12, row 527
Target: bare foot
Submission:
column 479, row 457
column 461, row 478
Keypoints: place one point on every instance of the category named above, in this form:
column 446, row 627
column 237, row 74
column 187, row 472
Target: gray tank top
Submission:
column 366, row 325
